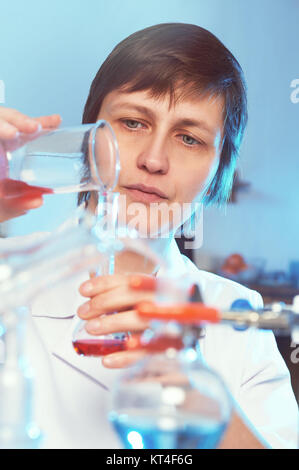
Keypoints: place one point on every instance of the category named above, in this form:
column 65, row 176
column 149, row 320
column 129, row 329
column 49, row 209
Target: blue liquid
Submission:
column 151, row 433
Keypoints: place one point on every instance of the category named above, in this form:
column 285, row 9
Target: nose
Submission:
column 153, row 157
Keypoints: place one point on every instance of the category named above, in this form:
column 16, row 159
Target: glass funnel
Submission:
column 171, row 399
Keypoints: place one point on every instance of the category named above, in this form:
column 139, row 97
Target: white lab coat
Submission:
column 72, row 392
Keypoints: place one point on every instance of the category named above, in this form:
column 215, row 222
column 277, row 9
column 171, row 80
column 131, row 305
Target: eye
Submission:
column 132, row 124
column 188, row 140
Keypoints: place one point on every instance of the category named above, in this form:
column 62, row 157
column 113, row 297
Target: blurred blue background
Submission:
column 51, row 50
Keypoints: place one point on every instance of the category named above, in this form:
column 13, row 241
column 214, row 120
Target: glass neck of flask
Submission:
column 106, row 226
column 107, row 210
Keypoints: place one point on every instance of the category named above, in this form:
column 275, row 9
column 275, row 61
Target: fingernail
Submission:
column 86, row 287
column 142, row 282
column 83, row 309
column 93, row 326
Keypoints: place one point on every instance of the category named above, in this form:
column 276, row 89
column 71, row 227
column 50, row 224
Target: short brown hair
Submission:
column 160, row 58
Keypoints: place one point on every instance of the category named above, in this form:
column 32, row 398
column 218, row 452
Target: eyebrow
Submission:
column 181, row 122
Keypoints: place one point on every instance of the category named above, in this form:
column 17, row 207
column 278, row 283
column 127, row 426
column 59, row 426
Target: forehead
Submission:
column 207, row 109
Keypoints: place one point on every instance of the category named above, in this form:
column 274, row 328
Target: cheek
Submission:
column 193, row 182
column 128, row 152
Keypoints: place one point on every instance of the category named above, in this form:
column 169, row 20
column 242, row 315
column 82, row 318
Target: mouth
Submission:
column 145, row 194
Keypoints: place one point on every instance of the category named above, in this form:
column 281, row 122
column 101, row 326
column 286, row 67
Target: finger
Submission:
column 49, row 122
column 7, row 214
column 116, row 323
column 7, row 131
column 21, row 122
column 24, row 202
column 100, row 284
column 123, row 359
column 141, row 282
column 12, row 122
column 120, row 299
column 10, row 210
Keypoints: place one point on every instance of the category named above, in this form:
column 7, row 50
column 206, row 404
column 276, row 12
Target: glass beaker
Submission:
column 171, row 399
column 65, row 160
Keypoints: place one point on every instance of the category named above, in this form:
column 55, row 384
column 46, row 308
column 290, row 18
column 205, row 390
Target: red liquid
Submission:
column 161, row 343
column 96, row 347
column 18, row 191
column 156, row 344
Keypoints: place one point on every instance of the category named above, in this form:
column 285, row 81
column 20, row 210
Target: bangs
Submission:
column 161, row 79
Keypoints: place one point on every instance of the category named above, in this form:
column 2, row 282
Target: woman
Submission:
column 176, row 99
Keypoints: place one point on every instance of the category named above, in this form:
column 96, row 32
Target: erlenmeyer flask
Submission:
column 124, row 244
column 171, row 399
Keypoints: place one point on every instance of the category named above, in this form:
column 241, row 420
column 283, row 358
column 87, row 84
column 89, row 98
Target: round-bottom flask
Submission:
column 170, row 400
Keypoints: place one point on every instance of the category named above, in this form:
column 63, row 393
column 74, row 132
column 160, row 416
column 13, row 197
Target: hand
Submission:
column 12, row 122
column 116, row 293
column 16, row 198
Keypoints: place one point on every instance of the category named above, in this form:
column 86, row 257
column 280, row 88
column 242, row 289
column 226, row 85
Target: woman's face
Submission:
column 169, row 154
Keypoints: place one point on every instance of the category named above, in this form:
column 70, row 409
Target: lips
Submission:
column 146, row 194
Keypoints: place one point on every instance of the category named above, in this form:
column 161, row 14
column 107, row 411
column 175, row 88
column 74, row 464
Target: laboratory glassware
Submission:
column 84, row 158
column 144, row 256
column 25, row 272
column 171, row 399
column 65, row 160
